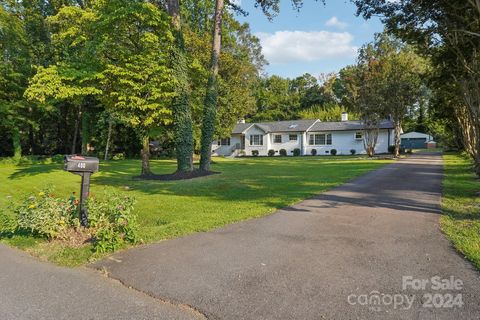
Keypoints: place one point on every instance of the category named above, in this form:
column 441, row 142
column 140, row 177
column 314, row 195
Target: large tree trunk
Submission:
column 396, row 138
column 146, row 156
column 182, row 113
column 210, row 106
column 75, row 132
column 17, row 144
column 370, row 139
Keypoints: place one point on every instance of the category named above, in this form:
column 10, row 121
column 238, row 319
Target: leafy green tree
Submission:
column 137, row 83
column 275, row 100
column 14, row 71
column 447, row 32
column 361, row 88
column 127, row 70
column 328, row 112
column 401, row 80
column 74, row 76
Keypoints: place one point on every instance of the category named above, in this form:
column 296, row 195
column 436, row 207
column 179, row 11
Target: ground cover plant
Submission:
column 245, row 188
column 461, row 205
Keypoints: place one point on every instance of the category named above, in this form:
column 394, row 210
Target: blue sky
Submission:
column 318, row 39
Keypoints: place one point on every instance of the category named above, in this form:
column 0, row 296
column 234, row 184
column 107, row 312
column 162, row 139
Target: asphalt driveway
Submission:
column 31, row 289
column 328, row 257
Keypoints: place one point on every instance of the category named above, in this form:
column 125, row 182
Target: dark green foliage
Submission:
column 271, row 153
column 333, row 152
column 296, row 152
column 353, row 152
column 255, row 153
column 283, row 152
column 313, row 152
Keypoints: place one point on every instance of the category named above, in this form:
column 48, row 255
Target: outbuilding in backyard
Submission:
column 417, row 140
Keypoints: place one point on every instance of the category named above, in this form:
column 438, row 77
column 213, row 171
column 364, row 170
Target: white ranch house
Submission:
column 304, row 135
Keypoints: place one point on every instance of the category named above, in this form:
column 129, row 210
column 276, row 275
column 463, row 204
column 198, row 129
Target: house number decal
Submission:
column 81, row 165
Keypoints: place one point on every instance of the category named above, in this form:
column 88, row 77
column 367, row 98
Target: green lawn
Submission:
column 246, row 188
column 461, row 205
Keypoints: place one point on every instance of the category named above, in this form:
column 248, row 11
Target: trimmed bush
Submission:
column 313, row 152
column 255, row 153
column 283, row 152
column 296, row 152
column 271, row 153
column 333, row 152
column 353, row 151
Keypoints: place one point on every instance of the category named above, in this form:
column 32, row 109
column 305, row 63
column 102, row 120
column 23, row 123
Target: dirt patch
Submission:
column 177, row 175
column 74, row 237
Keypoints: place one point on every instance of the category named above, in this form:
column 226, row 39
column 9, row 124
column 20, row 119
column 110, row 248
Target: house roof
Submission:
column 414, row 134
column 240, row 127
column 277, row 126
column 347, row 125
column 304, row 125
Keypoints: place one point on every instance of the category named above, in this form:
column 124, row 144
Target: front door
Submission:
column 242, row 144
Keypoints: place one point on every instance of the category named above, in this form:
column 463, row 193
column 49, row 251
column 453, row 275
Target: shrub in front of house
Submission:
column 283, row 152
column 296, row 152
column 353, row 151
column 255, row 153
column 271, row 153
column 313, row 152
column 333, row 152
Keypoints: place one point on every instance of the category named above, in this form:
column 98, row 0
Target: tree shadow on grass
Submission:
column 36, row 169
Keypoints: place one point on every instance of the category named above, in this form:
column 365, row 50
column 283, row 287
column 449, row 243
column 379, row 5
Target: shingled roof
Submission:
column 304, row 125
column 347, row 125
column 277, row 126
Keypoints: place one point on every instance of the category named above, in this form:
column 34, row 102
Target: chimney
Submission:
column 241, row 121
column 344, row 116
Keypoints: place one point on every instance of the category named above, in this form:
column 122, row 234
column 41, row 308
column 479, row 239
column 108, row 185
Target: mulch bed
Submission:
column 177, row 175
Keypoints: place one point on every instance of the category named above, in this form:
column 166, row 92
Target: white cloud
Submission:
column 301, row 46
column 334, row 22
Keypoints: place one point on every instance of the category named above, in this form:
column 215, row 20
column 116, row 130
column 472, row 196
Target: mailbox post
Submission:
column 84, row 167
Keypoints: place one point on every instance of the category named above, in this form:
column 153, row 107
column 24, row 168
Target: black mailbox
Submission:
column 80, row 164
column 84, row 167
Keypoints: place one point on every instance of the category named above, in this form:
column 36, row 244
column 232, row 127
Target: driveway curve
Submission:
column 370, row 249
